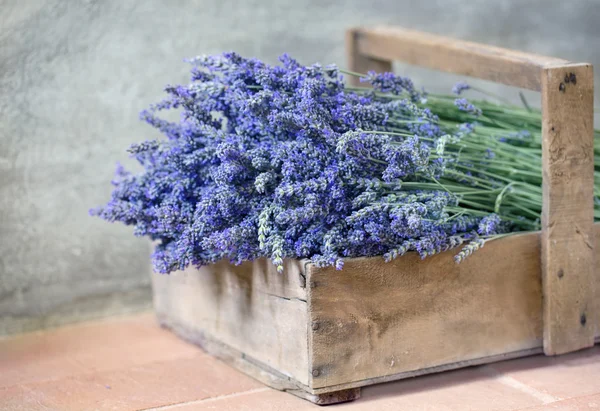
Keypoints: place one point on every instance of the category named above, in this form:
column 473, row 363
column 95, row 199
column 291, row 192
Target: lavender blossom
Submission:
column 284, row 162
column 460, row 87
column 464, row 105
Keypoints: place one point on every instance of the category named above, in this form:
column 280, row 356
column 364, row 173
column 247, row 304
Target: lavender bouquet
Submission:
column 287, row 161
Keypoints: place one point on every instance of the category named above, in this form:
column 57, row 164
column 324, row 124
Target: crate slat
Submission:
column 568, row 212
column 249, row 308
column 377, row 318
column 360, row 62
column 386, row 44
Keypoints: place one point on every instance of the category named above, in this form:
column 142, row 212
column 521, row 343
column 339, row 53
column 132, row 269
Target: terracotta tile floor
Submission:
column 132, row 364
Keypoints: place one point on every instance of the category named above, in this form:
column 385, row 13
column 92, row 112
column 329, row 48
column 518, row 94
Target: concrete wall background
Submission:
column 75, row 74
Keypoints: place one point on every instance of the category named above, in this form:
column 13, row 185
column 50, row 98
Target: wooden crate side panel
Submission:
column 374, row 322
column 568, row 212
column 374, row 319
column 250, row 308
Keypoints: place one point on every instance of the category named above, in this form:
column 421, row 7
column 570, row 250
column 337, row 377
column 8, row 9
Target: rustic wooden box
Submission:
column 322, row 334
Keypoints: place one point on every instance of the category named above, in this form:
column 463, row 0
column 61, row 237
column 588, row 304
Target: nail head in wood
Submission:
column 315, row 325
column 315, row 373
column 573, row 78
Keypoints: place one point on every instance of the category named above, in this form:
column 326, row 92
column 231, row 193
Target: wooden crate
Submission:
column 322, row 334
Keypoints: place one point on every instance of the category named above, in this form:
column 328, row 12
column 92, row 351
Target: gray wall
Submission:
column 75, row 74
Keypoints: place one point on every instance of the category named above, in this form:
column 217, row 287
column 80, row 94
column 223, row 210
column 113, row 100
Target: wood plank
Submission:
column 374, row 318
column 431, row 370
column 235, row 358
column 513, row 68
column 359, row 62
column 568, row 211
column 250, row 308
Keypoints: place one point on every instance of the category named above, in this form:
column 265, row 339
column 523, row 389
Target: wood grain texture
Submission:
column 504, row 66
column 431, row 370
column 235, row 358
column 359, row 62
column 568, row 208
column 250, row 308
column 373, row 319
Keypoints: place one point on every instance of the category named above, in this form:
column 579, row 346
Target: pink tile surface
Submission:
column 264, row 399
column 466, row 389
column 591, row 402
column 566, row 376
column 132, row 364
column 88, row 347
column 17, row 398
column 139, row 387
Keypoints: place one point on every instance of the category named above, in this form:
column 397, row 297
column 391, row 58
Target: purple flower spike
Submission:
column 460, row 87
column 285, row 162
column 464, row 105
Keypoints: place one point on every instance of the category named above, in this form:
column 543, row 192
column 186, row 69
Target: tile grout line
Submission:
column 518, row 385
column 205, row 400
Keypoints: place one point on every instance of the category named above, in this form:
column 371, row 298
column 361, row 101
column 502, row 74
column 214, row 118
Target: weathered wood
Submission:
column 359, row 62
column 431, row 370
column 568, row 209
column 250, row 317
column 504, row 66
column 235, row 358
column 253, row 368
column 250, row 308
column 372, row 319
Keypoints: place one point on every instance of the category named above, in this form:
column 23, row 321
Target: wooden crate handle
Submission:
column 567, row 89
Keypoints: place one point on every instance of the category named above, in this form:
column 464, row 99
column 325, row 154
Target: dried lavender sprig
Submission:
column 297, row 165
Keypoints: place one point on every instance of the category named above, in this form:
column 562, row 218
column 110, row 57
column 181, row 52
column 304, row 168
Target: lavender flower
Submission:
column 391, row 83
column 489, row 225
column 469, row 249
column 284, row 162
column 464, row 105
column 460, row 87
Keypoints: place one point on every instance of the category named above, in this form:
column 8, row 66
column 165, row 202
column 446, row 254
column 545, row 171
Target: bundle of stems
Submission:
column 506, row 181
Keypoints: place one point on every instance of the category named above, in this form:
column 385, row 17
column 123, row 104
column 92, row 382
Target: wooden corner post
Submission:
column 359, row 62
column 568, row 280
column 568, row 209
